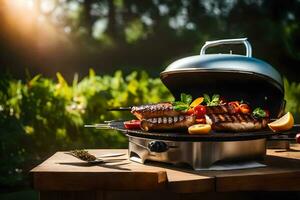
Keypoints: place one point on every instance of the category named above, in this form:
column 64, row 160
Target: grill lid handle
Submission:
column 228, row 41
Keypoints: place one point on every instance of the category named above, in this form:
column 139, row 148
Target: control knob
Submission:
column 157, row 146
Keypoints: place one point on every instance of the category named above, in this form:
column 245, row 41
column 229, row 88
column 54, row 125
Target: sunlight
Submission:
column 21, row 4
column 30, row 21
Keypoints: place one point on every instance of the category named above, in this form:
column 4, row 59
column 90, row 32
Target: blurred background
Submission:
column 63, row 62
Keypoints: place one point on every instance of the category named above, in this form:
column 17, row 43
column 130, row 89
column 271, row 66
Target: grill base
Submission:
column 198, row 155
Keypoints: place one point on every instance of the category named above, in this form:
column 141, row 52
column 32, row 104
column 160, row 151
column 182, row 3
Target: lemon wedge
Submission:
column 199, row 129
column 196, row 102
column 284, row 123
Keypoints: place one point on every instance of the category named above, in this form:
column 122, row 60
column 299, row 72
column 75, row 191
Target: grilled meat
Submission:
column 222, row 109
column 154, row 110
column 162, row 116
column 235, row 122
column 168, row 123
column 166, row 109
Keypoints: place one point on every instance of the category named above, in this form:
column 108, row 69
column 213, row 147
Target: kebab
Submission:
column 221, row 116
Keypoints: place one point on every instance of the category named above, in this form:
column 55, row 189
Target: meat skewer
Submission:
column 154, row 110
column 168, row 123
column 222, row 109
column 167, row 109
column 235, row 122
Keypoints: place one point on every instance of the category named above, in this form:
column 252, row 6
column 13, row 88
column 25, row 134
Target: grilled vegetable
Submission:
column 168, row 123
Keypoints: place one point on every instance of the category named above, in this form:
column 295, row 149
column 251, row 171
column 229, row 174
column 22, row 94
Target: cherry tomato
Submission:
column 244, row 108
column 201, row 121
column 200, row 111
column 235, row 105
column 132, row 124
column 297, row 138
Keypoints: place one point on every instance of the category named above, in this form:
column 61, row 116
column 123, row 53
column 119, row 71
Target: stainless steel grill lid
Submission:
column 235, row 77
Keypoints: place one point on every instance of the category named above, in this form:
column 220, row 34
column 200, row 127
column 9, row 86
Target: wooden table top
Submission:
column 63, row 172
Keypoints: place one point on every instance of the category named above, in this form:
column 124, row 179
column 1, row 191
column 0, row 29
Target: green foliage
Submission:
column 42, row 116
column 292, row 97
column 134, row 31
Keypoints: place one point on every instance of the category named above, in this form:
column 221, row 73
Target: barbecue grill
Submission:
column 232, row 76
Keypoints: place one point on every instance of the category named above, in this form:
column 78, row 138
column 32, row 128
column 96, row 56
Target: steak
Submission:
column 235, row 122
column 154, row 110
column 222, row 109
column 168, row 123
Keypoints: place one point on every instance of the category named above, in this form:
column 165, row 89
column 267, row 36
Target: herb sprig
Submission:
column 184, row 103
column 213, row 101
column 259, row 113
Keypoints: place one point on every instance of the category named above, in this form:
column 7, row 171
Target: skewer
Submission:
column 98, row 126
column 119, row 109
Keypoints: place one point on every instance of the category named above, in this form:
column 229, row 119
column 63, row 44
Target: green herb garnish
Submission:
column 213, row 101
column 259, row 113
column 184, row 103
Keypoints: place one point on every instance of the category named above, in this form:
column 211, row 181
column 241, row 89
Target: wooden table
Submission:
column 65, row 177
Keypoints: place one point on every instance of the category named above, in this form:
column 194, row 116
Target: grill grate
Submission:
column 184, row 136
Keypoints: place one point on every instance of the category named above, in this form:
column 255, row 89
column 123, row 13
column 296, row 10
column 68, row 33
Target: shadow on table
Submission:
column 112, row 164
column 273, row 162
column 287, row 150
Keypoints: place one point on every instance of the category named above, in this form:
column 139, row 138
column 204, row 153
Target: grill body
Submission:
column 197, row 155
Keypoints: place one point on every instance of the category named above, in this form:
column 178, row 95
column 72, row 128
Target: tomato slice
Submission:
column 235, row 105
column 244, row 108
column 201, row 121
column 190, row 111
column 132, row 124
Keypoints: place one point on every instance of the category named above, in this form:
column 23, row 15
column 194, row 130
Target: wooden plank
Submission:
column 65, row 172
column 281, row 174
column 187, row 181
